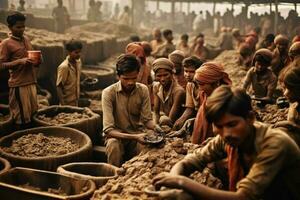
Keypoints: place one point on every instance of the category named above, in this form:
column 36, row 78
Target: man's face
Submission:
column 75, row 55
column 233, row 129
column 128, row 80
column 18, row 29
column 164, row 77
column 157, row 35
column 189, row 73
column 290, row 95
column 169, row 37
column 260, row 68
column 207, row 88
column 282, row 48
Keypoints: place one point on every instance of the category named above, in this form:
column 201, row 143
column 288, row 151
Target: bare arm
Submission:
column 60, row 94
column 156, row 109
column 188, row 113
column 120, row 135
column 196, row 189
column 178, row 101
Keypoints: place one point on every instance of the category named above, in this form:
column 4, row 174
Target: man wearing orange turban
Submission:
column 145, row 71
column 209, row 76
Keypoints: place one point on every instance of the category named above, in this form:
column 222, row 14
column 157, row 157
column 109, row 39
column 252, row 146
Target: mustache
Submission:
column 231, row 140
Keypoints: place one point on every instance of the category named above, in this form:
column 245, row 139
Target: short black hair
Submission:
column 135, row 38
column 262, row 60
column 15, row 17
column 73, row 45
column 185, row 37
column 224, row 100
column 192, row 61
column 127, row 63
column 167, row 32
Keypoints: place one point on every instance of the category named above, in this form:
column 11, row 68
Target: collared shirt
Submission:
column 192, row 96
column 167, row 102
column 274, row 169
column 14, row 48
column 262, row 84
column 69, row 78
column 126, row 113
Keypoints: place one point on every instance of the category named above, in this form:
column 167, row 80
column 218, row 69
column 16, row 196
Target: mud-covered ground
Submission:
column 139, row 171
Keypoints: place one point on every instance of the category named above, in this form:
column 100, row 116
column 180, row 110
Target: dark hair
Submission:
column 262, row 60
column 135, row 38
column 127, row 63
column 224, row 100
column 73, row 45
column 167, row 32
column 270, row 37
column 292, row 78
column 14, row 18
column 185, row 37
column 192, row 61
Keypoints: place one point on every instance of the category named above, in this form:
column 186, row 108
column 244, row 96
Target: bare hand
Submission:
column 177, row 125
column 140, row 138
column 25, row 61
column 168, row 180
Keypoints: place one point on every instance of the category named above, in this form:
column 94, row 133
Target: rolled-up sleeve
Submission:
column 107, row 107
column 62, row 75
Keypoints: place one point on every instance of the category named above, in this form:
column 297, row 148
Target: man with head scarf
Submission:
column 246, row 55
column 145, row 71
column 281, row 58
column 176, row 57
column 208, row 77
column 260, row 77
column 169, row 96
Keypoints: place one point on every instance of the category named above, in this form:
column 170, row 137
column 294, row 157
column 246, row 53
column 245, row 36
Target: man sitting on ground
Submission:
column 263, row 163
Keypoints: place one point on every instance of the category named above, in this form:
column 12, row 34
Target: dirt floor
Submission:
column 139, row 171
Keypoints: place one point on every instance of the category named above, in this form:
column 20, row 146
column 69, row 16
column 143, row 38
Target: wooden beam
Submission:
column 270, row 7
column 276, row 17
column 173, row 12
column 214, row 8
column 295, row 5
column 157, row 5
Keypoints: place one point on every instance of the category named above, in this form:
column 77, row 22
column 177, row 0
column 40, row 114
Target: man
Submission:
column 157, row 40
column 192, row 102
column 281, row 58
column 61, row 17
column 176, row 57
column 22, row 82
column 167, row 47
column 263, row 163
column 168, row 94
column 124, row 17
column 68, row 75
column 260, row 77
column 126, row 112
column 183, row 45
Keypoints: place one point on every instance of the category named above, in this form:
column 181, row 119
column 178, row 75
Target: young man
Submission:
column 126, row 112
column 68, row 75
column 22, row 82
column 260, row 77
column 168, row 94
column 167, row 47
column 61, row 17
column 176, row 57
column 192, row 101
column 281, row 58
column 183, row 45
column 263, row 163
column 157, row 40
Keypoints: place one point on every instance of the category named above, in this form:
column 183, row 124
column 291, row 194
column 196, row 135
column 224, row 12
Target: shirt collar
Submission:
column 120, row 88
column 15, row 37
column 160, row 93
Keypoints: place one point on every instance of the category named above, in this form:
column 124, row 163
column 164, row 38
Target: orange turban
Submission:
column 176, row 57
column 163, row 63
column 211, row 72
column 294, row 49
column 137, row 50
